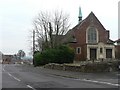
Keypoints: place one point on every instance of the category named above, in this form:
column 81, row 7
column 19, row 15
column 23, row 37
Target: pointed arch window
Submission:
column 92, row 35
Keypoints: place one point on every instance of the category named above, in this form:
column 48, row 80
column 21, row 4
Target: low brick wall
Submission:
column 89, row 67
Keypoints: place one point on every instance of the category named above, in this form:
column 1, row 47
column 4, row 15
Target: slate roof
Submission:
column 118, row 40
column 110, row 41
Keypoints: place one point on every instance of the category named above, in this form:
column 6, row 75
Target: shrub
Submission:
column 37, row 58
column 61, row 54
column 48, row 55
column 65, row 54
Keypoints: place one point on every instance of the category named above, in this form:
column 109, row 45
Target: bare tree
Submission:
column 49, row 26
column 61, row 25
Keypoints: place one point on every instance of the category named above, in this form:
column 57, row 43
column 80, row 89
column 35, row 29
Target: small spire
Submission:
column 80, row 15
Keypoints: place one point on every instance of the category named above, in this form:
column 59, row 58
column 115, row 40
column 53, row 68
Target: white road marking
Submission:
column 3, row 69
column 16, row 78
column 88, row 80
column 31, row 87
column 12, row 76
column 9, row 74
column 94, row 81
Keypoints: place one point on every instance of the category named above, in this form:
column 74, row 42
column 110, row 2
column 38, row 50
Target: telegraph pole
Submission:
column 33, row 46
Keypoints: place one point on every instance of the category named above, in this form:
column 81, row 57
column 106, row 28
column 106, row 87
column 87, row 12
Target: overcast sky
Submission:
column 16, row 18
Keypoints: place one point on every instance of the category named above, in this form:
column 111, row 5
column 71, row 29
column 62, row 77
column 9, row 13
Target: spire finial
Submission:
column 80, row 15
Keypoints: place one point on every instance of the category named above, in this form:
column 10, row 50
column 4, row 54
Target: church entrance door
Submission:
column 93, row 53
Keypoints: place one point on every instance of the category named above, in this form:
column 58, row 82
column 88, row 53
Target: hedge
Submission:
column 60, row 55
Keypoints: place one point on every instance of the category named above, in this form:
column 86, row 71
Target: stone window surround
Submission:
column 100, row 55
column 87, row 34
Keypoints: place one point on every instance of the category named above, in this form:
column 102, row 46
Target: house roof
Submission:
column 8, row 55
column 68, row 36
column 58, row 38
column 118, row 40
column 110, row 41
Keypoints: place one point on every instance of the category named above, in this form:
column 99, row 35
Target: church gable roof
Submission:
column 91, row 18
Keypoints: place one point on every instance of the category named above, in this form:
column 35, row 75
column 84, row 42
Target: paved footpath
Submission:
column 106, row 77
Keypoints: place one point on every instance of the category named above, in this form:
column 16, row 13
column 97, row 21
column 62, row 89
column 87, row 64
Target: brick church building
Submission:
column 90, row 39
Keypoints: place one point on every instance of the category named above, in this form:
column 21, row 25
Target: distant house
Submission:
column 0, row 57
column 6, row 58
column 117, row 53
column 90, row 39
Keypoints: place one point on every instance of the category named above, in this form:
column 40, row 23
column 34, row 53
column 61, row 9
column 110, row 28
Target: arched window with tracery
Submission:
column 92, row 35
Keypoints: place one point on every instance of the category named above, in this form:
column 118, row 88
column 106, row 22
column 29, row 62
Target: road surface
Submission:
column 21, row 76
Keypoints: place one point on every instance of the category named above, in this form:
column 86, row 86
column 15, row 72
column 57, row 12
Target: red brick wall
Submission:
column 117, row 51
column 80, row 35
